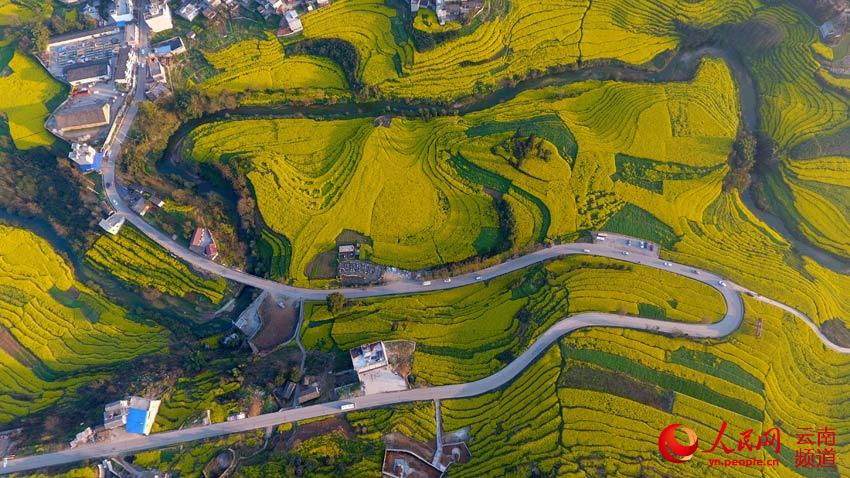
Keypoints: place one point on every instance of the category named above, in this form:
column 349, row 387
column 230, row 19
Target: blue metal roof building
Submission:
column 95, row 165
column 136, row 419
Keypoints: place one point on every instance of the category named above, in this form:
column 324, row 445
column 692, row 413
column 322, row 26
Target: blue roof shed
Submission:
column 136, row 418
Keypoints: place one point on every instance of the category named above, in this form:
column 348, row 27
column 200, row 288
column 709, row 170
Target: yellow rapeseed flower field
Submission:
column 54, row 328
column 23, row 97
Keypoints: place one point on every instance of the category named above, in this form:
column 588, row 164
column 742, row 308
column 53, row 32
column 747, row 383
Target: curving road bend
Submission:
column 730, row 322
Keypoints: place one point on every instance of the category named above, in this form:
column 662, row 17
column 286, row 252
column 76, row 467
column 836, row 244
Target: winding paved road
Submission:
column 730, row 322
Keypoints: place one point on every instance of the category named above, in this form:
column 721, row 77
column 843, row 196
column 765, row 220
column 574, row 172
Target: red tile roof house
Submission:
column 203, row 243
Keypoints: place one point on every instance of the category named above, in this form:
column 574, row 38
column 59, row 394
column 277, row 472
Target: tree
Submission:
column 741, row 160
column 336, row 302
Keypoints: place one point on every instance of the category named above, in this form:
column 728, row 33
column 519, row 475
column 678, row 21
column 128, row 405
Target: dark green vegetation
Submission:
column 634, row 221
column 549, row 127
column 650, row 175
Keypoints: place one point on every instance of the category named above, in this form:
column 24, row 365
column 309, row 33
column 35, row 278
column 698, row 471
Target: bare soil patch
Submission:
column 278, row 323
column 837, row 332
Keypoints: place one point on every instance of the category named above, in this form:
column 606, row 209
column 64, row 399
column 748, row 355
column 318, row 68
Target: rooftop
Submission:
column 85, row 71
column 368, row 356
column 109, row 29
column 95, row 114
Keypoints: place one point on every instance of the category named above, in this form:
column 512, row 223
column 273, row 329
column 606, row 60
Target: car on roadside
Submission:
column 586, row 251
column 447, row 280
column 426, row 283
column 478, row 277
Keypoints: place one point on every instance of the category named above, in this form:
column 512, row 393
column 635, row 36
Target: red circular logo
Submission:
column 669, row 446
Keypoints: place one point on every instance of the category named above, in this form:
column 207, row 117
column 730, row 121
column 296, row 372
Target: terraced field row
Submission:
column 261, row 66
column 794, row 104
column 133, row 258
column 54, row 327
column 815, row 204
column 733, row 242
column 368, row 26
column 191, row 396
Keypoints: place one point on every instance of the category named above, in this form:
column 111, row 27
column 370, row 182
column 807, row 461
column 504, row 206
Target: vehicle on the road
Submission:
column 628, row 242
column 667, row 263
column 643, row 244
column 478, row 277
column 426, row 283
column 651, row 247
column 696, row 271
column 721, row 283
column 586, row 251
column 346, row 406
column 625, row 253
column 447, row 280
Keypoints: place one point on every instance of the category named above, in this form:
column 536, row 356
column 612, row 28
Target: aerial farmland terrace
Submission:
column 690, row 157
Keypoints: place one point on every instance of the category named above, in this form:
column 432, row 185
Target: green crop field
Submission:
column 26, row 94
column 193, row 395
column 260, row 66
column 53, row 329
column 470, row 332
column 14, row 12
column 556, row 417
column 133, row 258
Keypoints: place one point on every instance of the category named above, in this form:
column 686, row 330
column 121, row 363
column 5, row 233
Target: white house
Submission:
column 112, row 224
column 158, row 16
column 189, row 11
column 292, row 20
column 122, row 12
